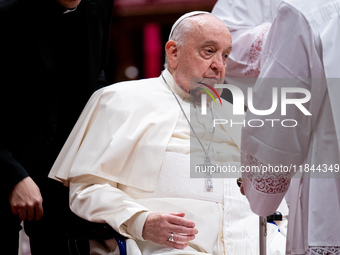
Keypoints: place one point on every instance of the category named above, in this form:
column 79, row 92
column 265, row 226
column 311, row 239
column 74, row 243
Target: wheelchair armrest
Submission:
column 277, row 216
column 79, row 228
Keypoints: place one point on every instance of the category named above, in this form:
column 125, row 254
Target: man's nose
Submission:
column 218, row 64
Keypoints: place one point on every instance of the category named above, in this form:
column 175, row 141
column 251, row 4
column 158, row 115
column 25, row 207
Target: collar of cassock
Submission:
column 174, row 87
column 70, row 10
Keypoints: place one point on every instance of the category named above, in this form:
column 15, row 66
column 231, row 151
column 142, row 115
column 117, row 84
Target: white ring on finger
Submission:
column 171, row 238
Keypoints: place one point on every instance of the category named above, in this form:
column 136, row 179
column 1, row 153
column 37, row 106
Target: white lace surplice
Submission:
column 300, row 44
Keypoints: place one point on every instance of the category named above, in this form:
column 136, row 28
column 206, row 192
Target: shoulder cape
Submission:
column 121, row 135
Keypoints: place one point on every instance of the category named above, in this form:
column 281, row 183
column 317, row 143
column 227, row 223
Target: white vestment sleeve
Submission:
column 249, row 22
column 98, row 200
column 290, row 39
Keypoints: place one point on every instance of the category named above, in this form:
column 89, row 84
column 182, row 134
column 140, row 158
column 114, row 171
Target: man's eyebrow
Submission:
column 210, row 42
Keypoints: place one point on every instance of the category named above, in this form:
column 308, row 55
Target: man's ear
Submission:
column 171, row 50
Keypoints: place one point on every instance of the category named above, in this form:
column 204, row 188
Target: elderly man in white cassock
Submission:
column 127, row 160
column 292, row 46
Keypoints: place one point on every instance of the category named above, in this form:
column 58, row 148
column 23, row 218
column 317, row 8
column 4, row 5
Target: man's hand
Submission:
column 159, row 226
column 26, row 200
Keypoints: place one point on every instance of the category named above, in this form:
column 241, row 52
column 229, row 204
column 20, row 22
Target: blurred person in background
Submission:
column 53, row 56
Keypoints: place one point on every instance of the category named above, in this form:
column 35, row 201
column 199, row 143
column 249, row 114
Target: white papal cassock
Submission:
column 129, row 155
column 301, row 46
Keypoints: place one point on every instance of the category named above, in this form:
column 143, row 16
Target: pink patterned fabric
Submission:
column 255, row 53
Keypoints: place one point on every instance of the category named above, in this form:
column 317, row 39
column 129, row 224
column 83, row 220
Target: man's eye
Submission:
column 209, row 51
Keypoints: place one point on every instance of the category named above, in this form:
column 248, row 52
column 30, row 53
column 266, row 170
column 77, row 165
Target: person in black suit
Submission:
column 53, row 55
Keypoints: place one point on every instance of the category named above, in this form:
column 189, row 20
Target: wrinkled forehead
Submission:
column 210, row 23
column 209, row 28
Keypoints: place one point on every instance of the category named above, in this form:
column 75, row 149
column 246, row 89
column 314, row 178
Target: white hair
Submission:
column 182, row 29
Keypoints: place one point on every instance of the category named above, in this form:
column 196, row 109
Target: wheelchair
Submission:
column 80, row 231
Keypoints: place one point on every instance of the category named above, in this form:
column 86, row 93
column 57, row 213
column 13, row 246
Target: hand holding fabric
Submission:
column 159, row 226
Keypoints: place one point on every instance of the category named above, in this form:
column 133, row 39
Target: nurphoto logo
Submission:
column 239, row 102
